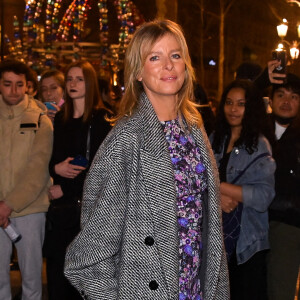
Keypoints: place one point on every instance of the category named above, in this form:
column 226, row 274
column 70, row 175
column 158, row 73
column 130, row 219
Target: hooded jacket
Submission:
column 26, row 135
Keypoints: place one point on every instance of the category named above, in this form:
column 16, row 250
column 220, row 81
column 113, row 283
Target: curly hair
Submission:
column 255, row 121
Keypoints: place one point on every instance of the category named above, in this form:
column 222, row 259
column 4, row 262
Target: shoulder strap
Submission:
column 250, row 163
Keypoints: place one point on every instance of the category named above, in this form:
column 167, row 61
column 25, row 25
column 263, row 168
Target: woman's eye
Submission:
column 154, row 58
column 242, row 103
column 176, row 55
column 228, row 102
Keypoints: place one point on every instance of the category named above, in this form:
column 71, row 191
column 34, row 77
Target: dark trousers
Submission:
column 59, row 288
column 248, row 281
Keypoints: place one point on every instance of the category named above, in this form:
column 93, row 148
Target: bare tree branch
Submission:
column 229, row 6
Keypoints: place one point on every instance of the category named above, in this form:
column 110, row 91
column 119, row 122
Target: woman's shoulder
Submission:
column 128, row 126
column 58, row 119
column 263, row 144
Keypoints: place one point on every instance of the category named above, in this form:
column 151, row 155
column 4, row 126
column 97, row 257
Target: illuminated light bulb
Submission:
column 282, row 29
column 294, row 51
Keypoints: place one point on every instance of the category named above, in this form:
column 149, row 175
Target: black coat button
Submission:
column 149, row 241
column 153, row 285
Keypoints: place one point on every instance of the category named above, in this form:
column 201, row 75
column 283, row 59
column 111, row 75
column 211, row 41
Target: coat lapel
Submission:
column 158, row 177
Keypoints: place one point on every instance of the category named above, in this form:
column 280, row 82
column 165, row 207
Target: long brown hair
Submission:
column 93, row 100
column 139, row 48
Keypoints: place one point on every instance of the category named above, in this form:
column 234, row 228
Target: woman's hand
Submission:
column 67, row 170
column 55, row 192
column 271, row 67
column 231, row 195
column 227, row 203
column 51, row 112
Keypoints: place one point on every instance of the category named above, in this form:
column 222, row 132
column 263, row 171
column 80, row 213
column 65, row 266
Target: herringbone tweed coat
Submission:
column 128, row 246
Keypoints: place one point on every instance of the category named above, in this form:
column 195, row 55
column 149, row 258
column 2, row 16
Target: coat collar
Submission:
column 12, row 111
column 154, row 138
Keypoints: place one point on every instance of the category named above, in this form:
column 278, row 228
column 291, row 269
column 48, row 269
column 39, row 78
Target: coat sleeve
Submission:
column 35, row 174
column 259, row 192
column 92, row 258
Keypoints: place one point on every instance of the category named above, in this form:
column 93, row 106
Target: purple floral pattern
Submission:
column 191, row 182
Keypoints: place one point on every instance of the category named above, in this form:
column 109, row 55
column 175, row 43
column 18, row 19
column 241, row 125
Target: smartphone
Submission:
column 80, row 160
column 282, row 57
column 50, row 105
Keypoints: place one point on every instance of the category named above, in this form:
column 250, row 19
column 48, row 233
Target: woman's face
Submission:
column 234, row 107
column 164, row 69
column 51, row 90
column 75, row 83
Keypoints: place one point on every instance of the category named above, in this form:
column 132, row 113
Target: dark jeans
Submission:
column 59, row 288
column 248, row 281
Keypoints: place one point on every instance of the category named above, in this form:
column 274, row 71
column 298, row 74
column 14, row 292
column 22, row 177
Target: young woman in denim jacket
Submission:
column 246, row 168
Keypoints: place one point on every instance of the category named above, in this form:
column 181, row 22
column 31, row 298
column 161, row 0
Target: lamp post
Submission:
column 282, row 32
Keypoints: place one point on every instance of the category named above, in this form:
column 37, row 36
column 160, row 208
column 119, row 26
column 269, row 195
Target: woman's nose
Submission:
column 73, row 83
column 234, row 107
column 169, row 64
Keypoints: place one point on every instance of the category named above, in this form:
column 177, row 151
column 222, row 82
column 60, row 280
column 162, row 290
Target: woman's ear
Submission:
column 139, row 76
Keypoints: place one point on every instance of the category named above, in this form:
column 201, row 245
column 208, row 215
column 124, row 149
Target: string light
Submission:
column 44, row 43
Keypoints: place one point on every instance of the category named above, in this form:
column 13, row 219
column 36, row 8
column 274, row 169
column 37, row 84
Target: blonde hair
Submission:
column 139, row 48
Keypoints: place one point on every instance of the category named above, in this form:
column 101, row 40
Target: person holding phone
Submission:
column 79, row 129
column 51, row 91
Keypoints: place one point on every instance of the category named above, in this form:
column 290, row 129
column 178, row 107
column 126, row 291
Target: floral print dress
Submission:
column 191, row 183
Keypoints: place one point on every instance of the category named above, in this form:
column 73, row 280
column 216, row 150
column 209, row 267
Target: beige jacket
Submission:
column 26, row 137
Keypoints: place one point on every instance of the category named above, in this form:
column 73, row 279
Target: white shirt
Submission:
column 279, row 130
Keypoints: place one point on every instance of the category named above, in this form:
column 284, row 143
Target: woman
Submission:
column 79, row 129
column 52, row 85
column 150, row 216
column 243, row 154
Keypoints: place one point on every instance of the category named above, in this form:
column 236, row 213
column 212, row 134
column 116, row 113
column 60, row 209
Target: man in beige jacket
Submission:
column 25, row 150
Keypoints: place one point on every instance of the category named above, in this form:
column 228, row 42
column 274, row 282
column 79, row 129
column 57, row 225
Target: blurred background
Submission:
column 221, row 34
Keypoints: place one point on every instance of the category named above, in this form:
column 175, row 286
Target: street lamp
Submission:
column 282, row 31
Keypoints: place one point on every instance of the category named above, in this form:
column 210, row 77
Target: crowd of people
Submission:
column 151, row 196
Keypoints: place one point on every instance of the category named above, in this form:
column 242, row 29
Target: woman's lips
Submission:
column 169, row 78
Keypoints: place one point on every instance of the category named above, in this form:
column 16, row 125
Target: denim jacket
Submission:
column 258, row 192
